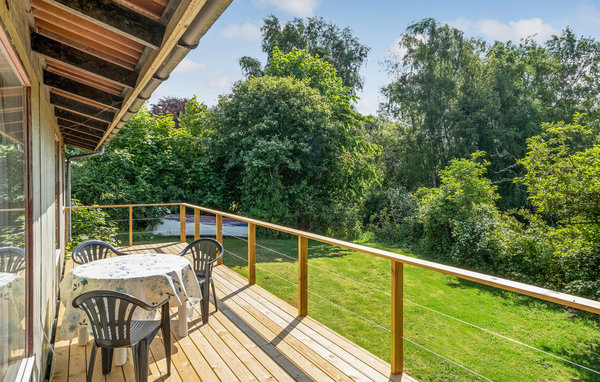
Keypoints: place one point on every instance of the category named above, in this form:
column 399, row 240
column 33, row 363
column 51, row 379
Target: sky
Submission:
column 212, row 68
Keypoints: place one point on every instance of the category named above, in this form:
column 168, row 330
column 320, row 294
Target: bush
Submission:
column 460, row 220
column 91, row 224
column 395, row 220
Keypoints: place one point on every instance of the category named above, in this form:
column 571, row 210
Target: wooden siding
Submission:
column 253, row 337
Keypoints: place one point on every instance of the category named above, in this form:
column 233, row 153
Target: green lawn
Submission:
column 542, row 325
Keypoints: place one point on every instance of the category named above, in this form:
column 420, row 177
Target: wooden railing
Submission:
column 397, row 268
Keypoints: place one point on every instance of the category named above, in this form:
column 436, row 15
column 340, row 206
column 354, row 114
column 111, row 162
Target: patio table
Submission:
column 150, row 277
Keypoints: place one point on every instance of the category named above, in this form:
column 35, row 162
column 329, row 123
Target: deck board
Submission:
column 254, row 336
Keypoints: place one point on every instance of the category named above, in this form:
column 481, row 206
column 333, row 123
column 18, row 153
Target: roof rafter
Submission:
column 81, row 108
column 79, row 119
column 118, row 19
column 82, row 90
column 82, row 60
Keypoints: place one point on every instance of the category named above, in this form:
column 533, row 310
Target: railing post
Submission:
column 397, row 361
column 182, row 233
column 219, row 219
column 196, row 224
column 67, row 222
column 251, row 253
column 302, row 276
column 130, row 226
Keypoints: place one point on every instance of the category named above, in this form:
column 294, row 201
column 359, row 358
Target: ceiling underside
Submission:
column 96, row 52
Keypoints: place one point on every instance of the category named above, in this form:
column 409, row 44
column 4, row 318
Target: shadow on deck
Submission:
column 254, row 336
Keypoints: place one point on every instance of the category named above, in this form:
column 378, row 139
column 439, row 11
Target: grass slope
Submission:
column 545, row 326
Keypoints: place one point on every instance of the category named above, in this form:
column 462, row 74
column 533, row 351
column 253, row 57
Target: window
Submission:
column 13, row 210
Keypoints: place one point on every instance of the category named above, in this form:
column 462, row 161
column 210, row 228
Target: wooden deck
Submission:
column 253, row 337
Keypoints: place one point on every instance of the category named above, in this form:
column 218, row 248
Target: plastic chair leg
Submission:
column 140, row 360
column 107, row 357
column 214, row 295
column 91, row 365
column 205, row 302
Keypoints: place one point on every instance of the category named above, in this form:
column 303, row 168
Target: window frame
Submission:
column 19, row 70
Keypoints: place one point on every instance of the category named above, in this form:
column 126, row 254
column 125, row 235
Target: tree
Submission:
column 283, row 156
column 172, row 106
column 460, row 218
column 426, row 87
column 562, row 167
column 321, row 39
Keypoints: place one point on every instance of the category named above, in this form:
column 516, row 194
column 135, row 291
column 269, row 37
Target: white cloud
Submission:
column 367, row 105
column 516, row 30
column 461, row 23
column 534, row 28
column 189, row 66
column 220, row 84
column 300, row 8
column 589, row 14
column 246, row 31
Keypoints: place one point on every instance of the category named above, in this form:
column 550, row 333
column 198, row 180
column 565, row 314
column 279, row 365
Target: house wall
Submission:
column 17, row 19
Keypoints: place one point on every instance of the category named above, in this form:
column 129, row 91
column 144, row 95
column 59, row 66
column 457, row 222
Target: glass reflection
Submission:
column 12, row 218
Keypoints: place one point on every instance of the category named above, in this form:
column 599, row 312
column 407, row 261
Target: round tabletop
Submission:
column 150, row 277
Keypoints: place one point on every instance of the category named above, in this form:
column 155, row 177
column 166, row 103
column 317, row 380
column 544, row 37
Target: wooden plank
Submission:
column 182, row 233
column 196, row 224
column 235, row 364
column 201, row 344
column 82, row 60
column 79, row 119
column 158, row 362
column 251, row 254
column 186, row 356
column 81, row 108
column 255, row 349
column 397, row 350
column 130, row 226
column 87, row 28
column 82, row 90
column 362, row 360
column 246, row 357
column 118, row 19
column 302, row 276
column 96, row 47
column 239, row 307
column 344, row 363
column 219, row 237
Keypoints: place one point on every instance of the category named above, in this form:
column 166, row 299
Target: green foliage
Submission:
column 562, row 166
column 151, row 162
column 317, row 74
column 91, row 224
column 283, row 156
column 459, row 217
column 453, row 95
column 562, row 173
column 339, row 48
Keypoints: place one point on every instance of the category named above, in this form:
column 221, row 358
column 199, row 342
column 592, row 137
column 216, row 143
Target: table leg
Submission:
column 82, row 336
column 120, row 356
column 183, row 324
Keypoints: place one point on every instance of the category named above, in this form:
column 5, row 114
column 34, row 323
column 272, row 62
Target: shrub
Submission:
column 91, row 224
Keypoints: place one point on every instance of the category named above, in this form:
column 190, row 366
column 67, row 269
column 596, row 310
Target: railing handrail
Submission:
column 581, row 303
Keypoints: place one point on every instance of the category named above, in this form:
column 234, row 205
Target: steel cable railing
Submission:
column 419, row 305
column 397, row 261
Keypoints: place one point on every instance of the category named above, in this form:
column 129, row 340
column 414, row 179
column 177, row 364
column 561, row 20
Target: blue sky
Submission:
column 211, row 69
